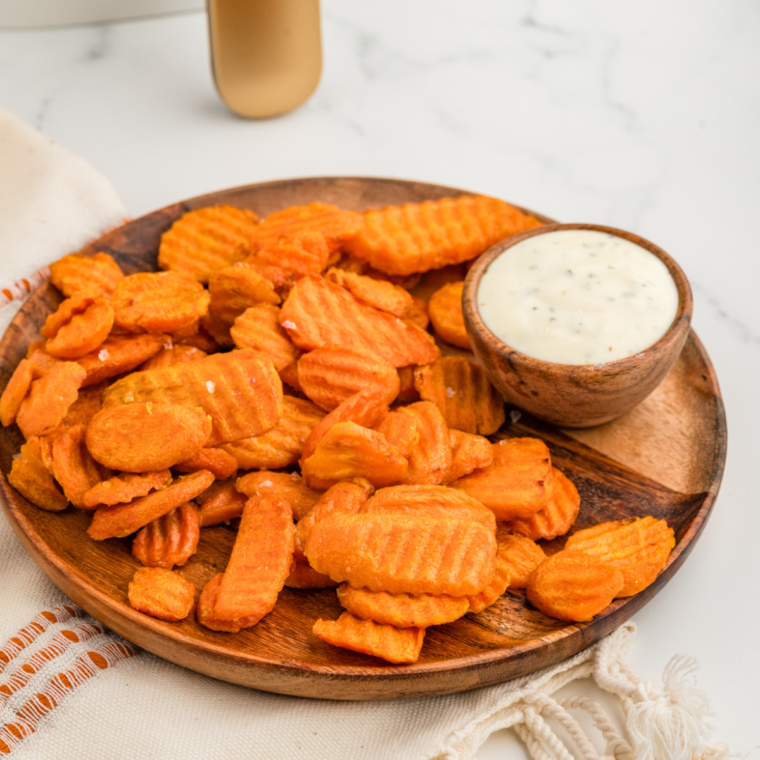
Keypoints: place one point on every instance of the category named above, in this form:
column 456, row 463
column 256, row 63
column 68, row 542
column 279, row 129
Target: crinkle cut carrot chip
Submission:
column 330, row 375
column 407, row 392
column 573, row 586
column 75, row 273
column 559, row 514
column 220, row 503
column 430, row 459
column 416, row 237
column 124, row 487
column 80, row 325
column 504, row 577
column 401, row 431
column 289, row 486
column 463, row 393
column 318, row 313
column 513, row 486
column 145, row 437
column 349, row 450
column 161, row 593
column 33, row 481
column 337, row 225
column 301, row 254
column 73, row 467
column 281, row 445
column 404, row 553
column 366, row 408
column 418, row 313
column 49, row 399
column 204, row 612
column 396, row 645
column 260, row 560
column 468, row 453
column 638, row 547
column 15, row 392
column 380, row 294
column 169, row 540
column 207, row 239
column 158, row 302
column 240, row 391
column 222, row 464
column 402, row 610
column 122, row 519
column 522, row 555
column 428, row 500
column 119, row 354
column 445, row 310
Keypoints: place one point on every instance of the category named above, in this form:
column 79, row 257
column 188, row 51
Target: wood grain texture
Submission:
column 664, row 458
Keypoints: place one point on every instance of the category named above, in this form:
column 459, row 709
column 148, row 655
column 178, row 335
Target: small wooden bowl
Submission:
column 569, row 395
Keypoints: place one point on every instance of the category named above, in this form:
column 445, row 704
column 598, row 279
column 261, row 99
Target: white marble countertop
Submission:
column 637, row 115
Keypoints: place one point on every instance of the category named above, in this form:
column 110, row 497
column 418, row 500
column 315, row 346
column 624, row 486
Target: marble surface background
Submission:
column 640, row 115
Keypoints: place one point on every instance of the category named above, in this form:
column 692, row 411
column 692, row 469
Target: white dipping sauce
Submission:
column 577, row 297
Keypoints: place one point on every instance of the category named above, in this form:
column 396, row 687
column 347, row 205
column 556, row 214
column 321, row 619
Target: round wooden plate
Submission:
column 665, row 458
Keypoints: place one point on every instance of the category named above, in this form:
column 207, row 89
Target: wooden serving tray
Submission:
column 665, row 458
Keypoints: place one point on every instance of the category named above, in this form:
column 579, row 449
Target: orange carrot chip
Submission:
column 33, row 481
column 169, row 540
column 288, row 486
column 337, row 225
column 418, row 313
column 15, row 392
column 521, row 555
column 407, row 392
column 349, row 450
column 218, row 461
column 401, row 431
column 240, row 391
column 301, row 254
column 119, row 354
column 220, row 503
column 463, row 393
column 396, row 645
column 366, row 408
column 445, row 309
column 204, row 240
column 559, row 514
column 122, row 519
column 468, row 453
column 318, row 313
column 80, row 325
column 49, row 399
column 74, row 273
column 404, row 553
column 514, row 485
column 235, row 289
column 158, row 302
column 638, row 547
column 330, row 375
column 430, row 460
column 73, row 467
column 281, row 446
column 379, row 294
column 204, row 612
column 145, row 437
column 260, row 560
column 124, row 487
column 573, row 586
column 417, row 237
column 402, row 610
column 503, row 577
column 161, row 593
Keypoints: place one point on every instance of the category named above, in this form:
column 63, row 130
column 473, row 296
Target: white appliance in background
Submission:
column 28, row 13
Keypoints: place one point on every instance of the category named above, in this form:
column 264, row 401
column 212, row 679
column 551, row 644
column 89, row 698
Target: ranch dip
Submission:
column 577, row 297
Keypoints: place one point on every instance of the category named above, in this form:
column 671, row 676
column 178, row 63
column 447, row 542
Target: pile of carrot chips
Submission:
column 279, row 377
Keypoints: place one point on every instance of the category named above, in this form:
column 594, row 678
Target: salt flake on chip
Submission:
column 288, row 325
column 103, row 355
column 210, row 387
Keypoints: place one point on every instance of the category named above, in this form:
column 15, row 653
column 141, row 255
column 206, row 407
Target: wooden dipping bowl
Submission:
column 575, row 395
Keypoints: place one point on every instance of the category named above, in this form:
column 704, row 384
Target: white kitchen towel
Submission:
column 71, row 689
